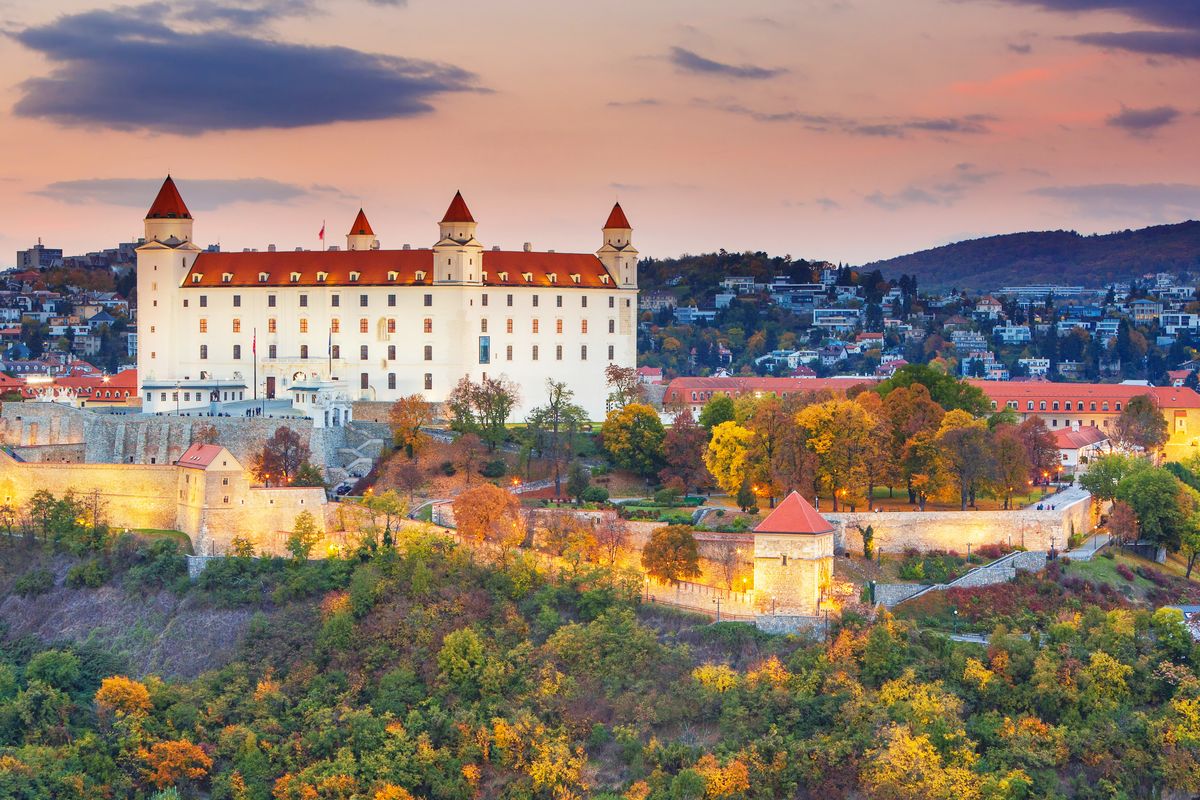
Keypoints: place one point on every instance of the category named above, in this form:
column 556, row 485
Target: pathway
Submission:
column 1087, row 551
column 1061, row 499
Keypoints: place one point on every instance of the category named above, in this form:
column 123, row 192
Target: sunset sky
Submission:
column 846, row 130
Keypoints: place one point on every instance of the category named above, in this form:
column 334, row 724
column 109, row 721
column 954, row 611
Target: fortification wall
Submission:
column 137, row 495
column 266, row 517
column 52, row 453
column 896, row 531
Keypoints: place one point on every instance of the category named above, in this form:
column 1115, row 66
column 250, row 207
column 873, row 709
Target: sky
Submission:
column 845, row 130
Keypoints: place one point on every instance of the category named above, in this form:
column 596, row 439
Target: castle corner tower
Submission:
column 793, row 559
column 618, row 254
column 458, row 255
column 168, row 217
column 361, row 237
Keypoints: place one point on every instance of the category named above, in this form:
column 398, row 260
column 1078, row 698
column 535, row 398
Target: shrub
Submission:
column 595, row 494
column 34, row 582
column 1125, row 572
column 156, row 566
column 993, row 551
column 494, row 469
column 91, row 573
column 666, row 497
column 448, row 469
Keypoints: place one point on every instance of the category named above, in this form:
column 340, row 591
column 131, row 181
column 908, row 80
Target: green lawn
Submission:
column 1104, row 570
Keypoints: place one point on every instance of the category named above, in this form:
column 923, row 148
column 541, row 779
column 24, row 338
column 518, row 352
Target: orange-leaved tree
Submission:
column 172, row 761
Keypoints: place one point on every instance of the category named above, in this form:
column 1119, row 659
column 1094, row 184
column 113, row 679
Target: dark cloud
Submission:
column 1021, row 48
column 1142, row 202
column 641, row 101
column 944, row 190
column 893, row 128
column 128, row 69
column 828, row 203
column 1143, row 121
column 689, row 61
column 199, row 194
column 1179, row 21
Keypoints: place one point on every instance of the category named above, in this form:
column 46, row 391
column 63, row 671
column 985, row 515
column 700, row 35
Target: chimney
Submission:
column 270, row 248
column 528, row 247
column 549, row 251
column 495, row 248
column 406, row 247
column 299, row 249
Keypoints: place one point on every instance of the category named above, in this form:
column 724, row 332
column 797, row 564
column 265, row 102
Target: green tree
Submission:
column 554, row 426
column 945, row 390
column 578, row 481
column 1106, row 472
column 304, row 536
column 1141, row 424
column 718, row 409
column 461, row 660
column 1154, row 495
column 633, row 437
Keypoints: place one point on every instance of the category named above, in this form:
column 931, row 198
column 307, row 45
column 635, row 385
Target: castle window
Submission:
column 1042, row 406
column 272, row 351
column 391, row 380
column 185, row 302
column 574, row 277
column 583, row 301
column 237, row 325
column 226, row 277
column 503, row 276
column 237, row 301
column 335, row 351
column 535, row 326
column 270, row 301
column 237, row 352
column 428, row 381
column 583, row 326
column 364, row 382
column 1105, row 405
column 558, row 352
column 535, row 301
column 263, row 277
column 604, row 279
column 483, row 299
column 391, row 301
column 558, row 325
column 429, row 352
column 428, row 300
column 508, row 325
column 304, row 351
column 335, row 325
column 335, row 300
column 508, row 353
column 362, row 353
column 610, row 352
column 203, row 352
column 204, row 301
column 535, row 352
column 393, row 275
column 391, row 325
column 420, row 275
column 362, row 301
column 1118, row 406
column 558, row 301
column 428, row 325
column 354, row 276
column 1054, row 405
column 1093, row 406
column 271, row 325
column 1029, row 406
column 196, row 276
column 203, row 326
column 322, row 276
column 304, row 301
column 527, row 277
column 552, row 277
column 483, row 326
column 303, row 325
column 583, row 352
column 391, row 352
column 612, row 301
column 363, row 325
column 612, row 326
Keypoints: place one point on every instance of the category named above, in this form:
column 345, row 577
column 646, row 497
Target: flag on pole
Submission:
column 321, row 235
column 254, row 343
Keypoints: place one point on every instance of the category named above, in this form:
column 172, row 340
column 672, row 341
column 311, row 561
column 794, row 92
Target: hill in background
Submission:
column 1062, row 257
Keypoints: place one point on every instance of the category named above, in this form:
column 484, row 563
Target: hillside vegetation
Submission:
column 1063, row 257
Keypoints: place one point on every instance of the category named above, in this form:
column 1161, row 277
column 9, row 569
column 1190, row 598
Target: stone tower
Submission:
column 793, row 559
column 361, row 237
column 618, row 253
column 458, row 255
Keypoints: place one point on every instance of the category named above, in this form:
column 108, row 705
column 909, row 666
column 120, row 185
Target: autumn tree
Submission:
column 281, row 457
column 387, row 506
column 489, row 514
column 555, row 424
column 304, row 536
column 727, row 455
column 1010, row 461
column 671, row 554
column 205, row 433
column 170, row 762
column 611, row 536
column 910, row 413
column 965, row 448
column 122, row 697
column 483, row 408
column 407, row 417
column 879, row 461
column 1141, row 424
column 633, row 437
column 838, row 432
column 408, row 477
column 623, row 386
column 1040, row 449
column 1122, row 523
column 684, row 444
column 467, row 453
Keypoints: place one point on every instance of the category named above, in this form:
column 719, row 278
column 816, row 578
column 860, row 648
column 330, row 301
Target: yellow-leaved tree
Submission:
column 839, row 433
column 727, row 456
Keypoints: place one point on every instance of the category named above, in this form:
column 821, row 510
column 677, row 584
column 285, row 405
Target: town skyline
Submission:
column 763, row 127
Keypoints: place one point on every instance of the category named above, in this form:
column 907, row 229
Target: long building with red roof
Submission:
column 1074, row 405
column 695, row 392
column 378, row 324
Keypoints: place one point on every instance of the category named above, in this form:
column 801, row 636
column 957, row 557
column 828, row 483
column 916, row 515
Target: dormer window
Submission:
column 393, row 275
column 420, row 275
column 263, row 277
column 503, row 276
column 196, row 277
column 483, row 276
column 527, row 276
column 295, row 277
column 354, row 276
column 553, row 276
column 604, row 279
column 322, row 277
column 574, row 277
column 226, row 277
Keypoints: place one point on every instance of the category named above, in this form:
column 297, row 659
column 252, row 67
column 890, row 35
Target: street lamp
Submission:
column 717, row 600
column 954, row 628
column 646, row 589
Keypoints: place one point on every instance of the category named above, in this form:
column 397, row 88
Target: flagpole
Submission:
column 254, row 355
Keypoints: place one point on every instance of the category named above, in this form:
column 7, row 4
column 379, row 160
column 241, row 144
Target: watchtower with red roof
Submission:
column 458, row 255
column 361, row 237
column 618, row 253
column 168, row 217
column 793, row 559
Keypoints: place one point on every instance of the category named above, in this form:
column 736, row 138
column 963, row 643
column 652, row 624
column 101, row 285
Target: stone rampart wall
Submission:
column 53, row 453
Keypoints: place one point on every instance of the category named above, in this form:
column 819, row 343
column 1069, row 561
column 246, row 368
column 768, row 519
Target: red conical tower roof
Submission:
column 458, row 211
column 794, row 515
column 616, row 218
column 361, row 227
column 168, row 204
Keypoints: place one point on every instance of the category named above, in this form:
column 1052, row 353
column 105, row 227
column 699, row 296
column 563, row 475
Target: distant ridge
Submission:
column 1062, row 257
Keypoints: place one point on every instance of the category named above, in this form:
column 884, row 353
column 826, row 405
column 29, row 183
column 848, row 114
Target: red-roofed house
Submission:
column 1078, row 446
column 698, row 391
column 1066, row 405
column 793, row 559
column 650, row 375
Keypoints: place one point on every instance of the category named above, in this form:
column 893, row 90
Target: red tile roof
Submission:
column 168, row 204
column 199, row 456
column 1075, row 438
column 458, row 211
column 361, row 227
column 794, row 515
column 1022, row 392
column 374, row 266
column 616, row 218
column 680, row 389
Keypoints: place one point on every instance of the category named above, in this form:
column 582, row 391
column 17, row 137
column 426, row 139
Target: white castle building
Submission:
column 324, row 328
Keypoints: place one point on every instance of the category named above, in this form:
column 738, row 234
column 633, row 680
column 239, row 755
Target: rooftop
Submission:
column 794, row 515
